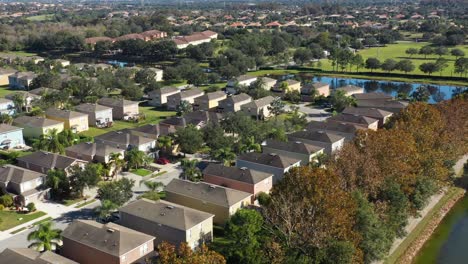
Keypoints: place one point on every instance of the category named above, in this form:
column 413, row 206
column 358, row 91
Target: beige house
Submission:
column 233, row 103
column 208, row 101
column 346, row 130
column 364, row 121
column 89, row 242
column 268, row 83
column 27, row 184
column 186, row 95
column 291, row 86
column 331, row 142
column 75, row 121
column 258, row 108
column 220, row 201
column 375, row 113
column 168, row 222
column 98, row 115
column 158, row 97
column 4, row 73
column 121, row 108
column 294, row 149
column 310, row 90
column 351, row 90
column 34, row 127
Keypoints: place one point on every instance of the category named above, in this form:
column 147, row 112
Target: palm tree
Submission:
column 19, row 101
column 184, row 107
column 6, row 119
column 45, row 237
column 190, row 170
column 104, row 211
column 117, row 162
column 165, row 144
column 50, row 142
column 136, row 158
column 153, row 186
column 225, row 155
column 250, row 145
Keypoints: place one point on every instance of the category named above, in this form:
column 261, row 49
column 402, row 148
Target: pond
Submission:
column 438, row 92
column 448, row 243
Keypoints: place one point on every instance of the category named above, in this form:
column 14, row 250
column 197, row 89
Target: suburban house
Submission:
column 126, row 140
column 75, row 121
column 153, row 34
column 199, row 119
column 373, row 96
column 258, row 108
column 293, row 149
column 34, row 127
column 90, row 242
column 351, row 90
column 346, row 130
column 149, row 131
column 393, row 106
column 208, row 100
column 374, row 113
column 195, row 39
column 243, row 80
column 288, row 85
column 364, row 121
column 241, row 179
column 7, row 107
column 121, row 108
column 268, row 83
column 168, row 222
column 310, row 90
column 271, row 163
column 4, row 73
column 27, row 184
column 28, row 99
column 42, row 161
column 186, row 95
column 11, row 137
column 329, row 141
column 21, row 80
column 220, row 201
column 31, row 256
column 233, row 103
column 158, row 97
column 90, row 152
column 98, row 115
column 158, row 74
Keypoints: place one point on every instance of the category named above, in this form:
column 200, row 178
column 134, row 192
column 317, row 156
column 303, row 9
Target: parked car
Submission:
column 163, row 161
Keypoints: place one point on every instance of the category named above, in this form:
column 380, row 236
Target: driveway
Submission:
column 312, row 113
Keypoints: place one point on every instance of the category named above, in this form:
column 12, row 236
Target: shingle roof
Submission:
column 269, row 159
column 152, row 129
column 334, row 126
column 370, row 112
column 238, row 98
column 293, row 146
column 212, row 96
column 65, row 114
column 259, row 102
column 15, row 174
column 237, row 174
column 22, row 93
column 356, row 119
column 350, row 88
column 4, row 100
column 268, row 80
column 91, row 108
column 5, row 128
column 320, row 136
column 31, row 256
column 48, row 160
column 245, row 78
column 190, row 93
column 34, row 121
column 115, row 102
column 92, row 149
column 382, row 104
column 166, row 213
column 110, row 238
column 372, row 96
column 164, row 90
column 207, row 192
column 42, row 91
column 124, row 137
column 7, row 71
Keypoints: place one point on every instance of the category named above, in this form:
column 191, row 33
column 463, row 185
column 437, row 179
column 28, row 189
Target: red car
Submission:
column 163, row 161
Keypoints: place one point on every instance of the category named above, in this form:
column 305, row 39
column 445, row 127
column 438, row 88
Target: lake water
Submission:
column 438, row 92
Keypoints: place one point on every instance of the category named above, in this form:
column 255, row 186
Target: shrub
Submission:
column 2, row 207
column 263, row 198
column 6, row 200
column 31, row 207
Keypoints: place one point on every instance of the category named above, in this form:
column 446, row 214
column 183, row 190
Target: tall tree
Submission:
column 118, row 192
column 190, row 139
column 104, row 211
column 136, row 158
column 45, row 238
column 190, row 171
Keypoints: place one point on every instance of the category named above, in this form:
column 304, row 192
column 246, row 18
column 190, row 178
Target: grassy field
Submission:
column 11, row 219
column 141, row 172
column 39, row 18
column 397, row 52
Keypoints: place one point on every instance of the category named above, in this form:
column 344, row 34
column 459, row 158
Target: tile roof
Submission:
column 48, row 160
column 65, row 114
column 166, row 213
column 5, row 128
column 269, row 159
column 320, row 136
column 34, row 121
column 293, row 146
column 110, row 238
column 18, row 175
column 207, row 192
column 237, row 174
column 31, row 256
column 91, row 108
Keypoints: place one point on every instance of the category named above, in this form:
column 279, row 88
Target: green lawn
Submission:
column 4, row 90
column 73, row 201
column 397, row 52
column 11, row 219
column 141, row 172
column 85, row 203
column 40, row 17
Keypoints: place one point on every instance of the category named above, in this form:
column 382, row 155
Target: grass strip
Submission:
column 86, row 203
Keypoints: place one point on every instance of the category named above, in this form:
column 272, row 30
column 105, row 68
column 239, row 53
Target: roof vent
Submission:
column 170, row 207
column 273, row 154
column 163, row 214
column 45, row 153
column 89, row 143
column 110, row 230
column 320, row 131
column 212, row 186
column 298, row 142
column 119, row 132
column 243, row 168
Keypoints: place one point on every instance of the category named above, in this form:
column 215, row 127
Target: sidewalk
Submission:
column 7, row 233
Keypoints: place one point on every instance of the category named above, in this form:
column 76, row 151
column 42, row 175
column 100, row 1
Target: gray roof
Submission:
column 373, row 96
column 190, row 92
column 262, row 102
column 124, row 137
column 93, row 149
column 382, row 104
column 370, row 112
column 356, row 119
column 42, row 91
column 5, row 128
column 207, row 192
column 48, row 160
column 164, row 90
column 245, row 78
column 293, row 146
column 237, row 98
column 236, row 174
column 23, row 93
column 34, row 121
column 334, row 126
column 166, row 213
column 31, row 256
column 91, row 108
column 7, row 71
column 350, row 88
column 320, row 136
column 24, row 75
column 268, row 80
column 115, row 102
column 152, row 129
column 4, row 100
column 18, row 175
column 212, row 96
column 269, row 159
column 110, row 238
column 65, row 114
